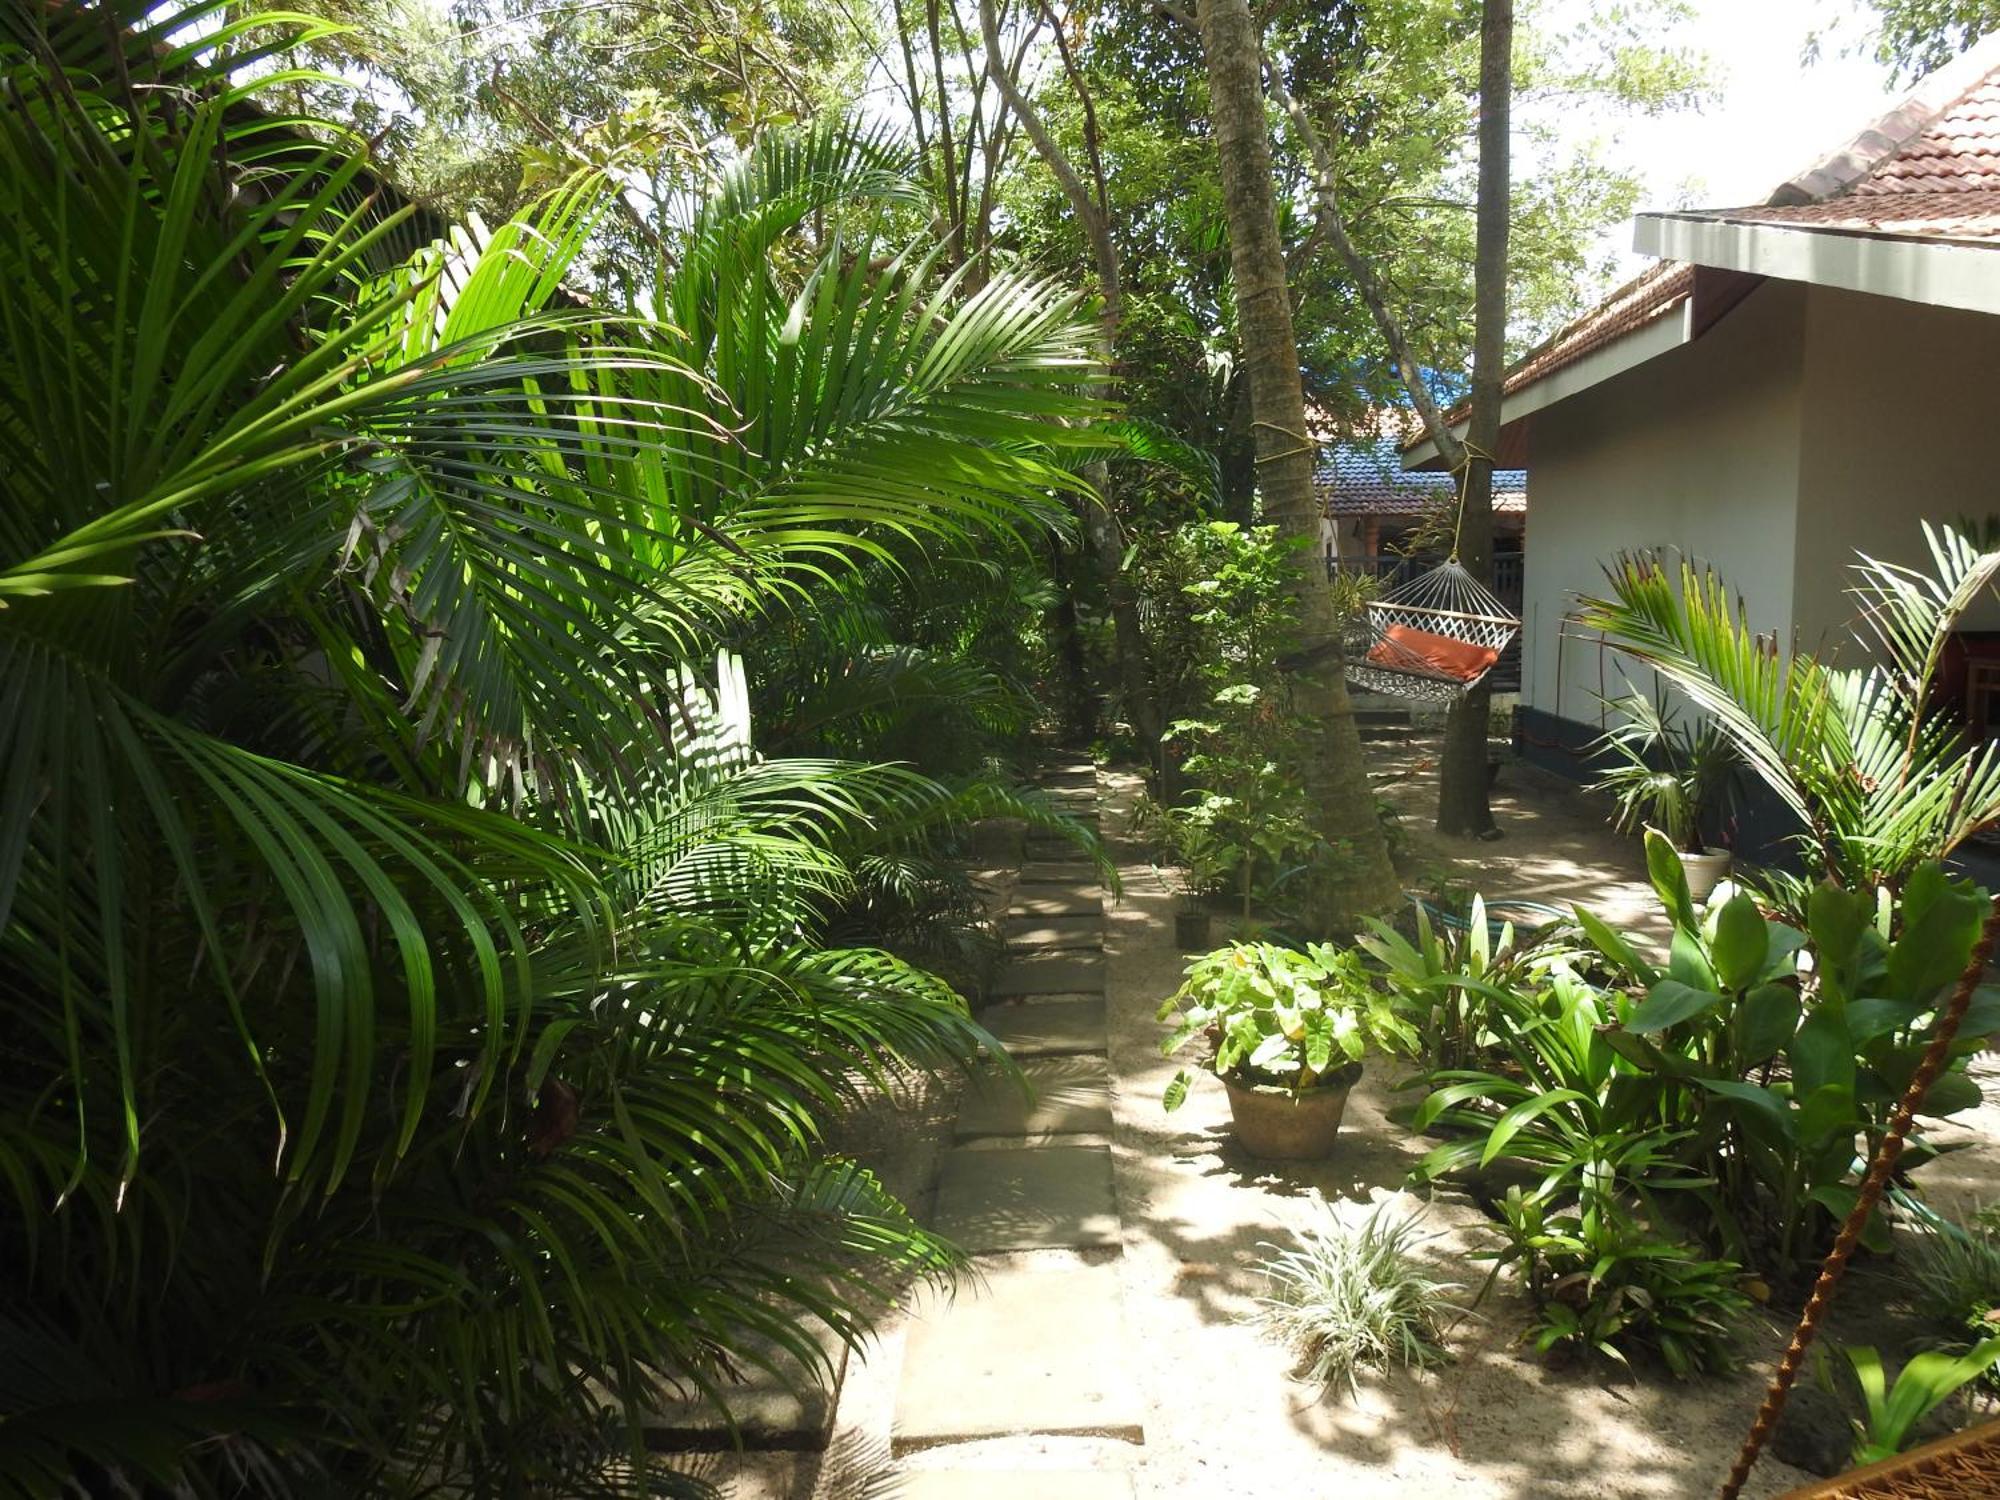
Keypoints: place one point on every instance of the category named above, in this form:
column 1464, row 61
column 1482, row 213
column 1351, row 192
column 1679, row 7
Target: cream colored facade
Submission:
column 1809, row 421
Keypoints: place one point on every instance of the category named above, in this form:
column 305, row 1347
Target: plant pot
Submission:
column 1191, row 931
column 1275, row 1124
column 1704, row 871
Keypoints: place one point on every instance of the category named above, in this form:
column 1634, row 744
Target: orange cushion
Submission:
column 1437, row 653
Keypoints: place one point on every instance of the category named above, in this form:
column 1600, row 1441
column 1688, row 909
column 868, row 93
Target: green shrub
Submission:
column 1603, row 1281
column 1764, row 1052
column 1892, row 1412
column 1281, row 1016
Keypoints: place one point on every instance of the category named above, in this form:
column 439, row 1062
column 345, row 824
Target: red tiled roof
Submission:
column 1651, row 294
column 1959, row 151
column 1962, row 214
column 1930, row 167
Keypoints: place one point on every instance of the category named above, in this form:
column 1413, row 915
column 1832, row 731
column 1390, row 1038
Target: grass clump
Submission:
column 1348, row 1297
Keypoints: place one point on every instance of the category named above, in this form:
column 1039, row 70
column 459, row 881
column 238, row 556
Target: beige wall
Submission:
column 1902, row 423
column 1697, row 449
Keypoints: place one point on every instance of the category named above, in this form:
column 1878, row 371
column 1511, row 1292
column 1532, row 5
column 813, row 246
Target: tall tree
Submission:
column 1332, row 768
column 1916, row 36
column 1090, row 202
column 1463, row 806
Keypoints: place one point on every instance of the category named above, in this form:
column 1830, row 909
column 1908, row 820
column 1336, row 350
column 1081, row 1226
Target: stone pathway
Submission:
column 1034, row 1342
column 1022, row 1383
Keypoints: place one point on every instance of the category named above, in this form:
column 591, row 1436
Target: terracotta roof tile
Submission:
column 1368, row 479
column 1651, row 294
column 1961, row 213
column 1959, row 151
column 1929, row 167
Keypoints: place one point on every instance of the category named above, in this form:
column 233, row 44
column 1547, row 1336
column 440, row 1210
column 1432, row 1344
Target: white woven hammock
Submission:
column 1399, row 644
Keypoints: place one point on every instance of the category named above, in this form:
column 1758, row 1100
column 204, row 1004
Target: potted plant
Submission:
column 1201, row 860
column 1285, row 1031
column 1677, row 779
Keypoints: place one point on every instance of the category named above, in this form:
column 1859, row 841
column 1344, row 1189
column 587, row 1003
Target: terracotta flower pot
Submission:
column 1704, row 871
column 1276, row 1124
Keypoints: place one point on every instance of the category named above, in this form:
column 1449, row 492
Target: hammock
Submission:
column 1431, row 638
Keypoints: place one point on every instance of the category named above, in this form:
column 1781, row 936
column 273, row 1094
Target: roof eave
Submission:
column 1649, row 340
column 1914, row 268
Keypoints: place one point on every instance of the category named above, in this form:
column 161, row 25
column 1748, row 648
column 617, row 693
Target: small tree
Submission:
column 1878, row 782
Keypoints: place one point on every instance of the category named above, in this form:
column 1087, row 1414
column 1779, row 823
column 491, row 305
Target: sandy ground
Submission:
column 1222, row 1415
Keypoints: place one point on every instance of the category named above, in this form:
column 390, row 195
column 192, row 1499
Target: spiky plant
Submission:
column 1878, row 780
column 1347, row 1297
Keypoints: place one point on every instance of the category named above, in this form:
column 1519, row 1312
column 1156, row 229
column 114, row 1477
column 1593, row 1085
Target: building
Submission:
column 1793, row 381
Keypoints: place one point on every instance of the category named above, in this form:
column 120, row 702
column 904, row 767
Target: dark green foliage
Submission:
column 427, row 1006
column 1692, row 1120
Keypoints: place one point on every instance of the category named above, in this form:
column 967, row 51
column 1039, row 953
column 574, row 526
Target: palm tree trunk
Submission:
column 1331, row 766
column 1463, row 807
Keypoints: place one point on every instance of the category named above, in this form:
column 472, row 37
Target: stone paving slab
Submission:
column 1070, row 1094
column 1059, row 872
column 1052, row 1197
column 1031, row 1350
column 1048, row 1028
column 791, row 1414
column 1057, row 901
column 1055, row 850
column 1071, row 779
column 1014, row 1484
column 1057, row 974
column 1052, row 934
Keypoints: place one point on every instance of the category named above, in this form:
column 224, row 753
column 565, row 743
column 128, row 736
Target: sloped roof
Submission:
column 1368, row 479
column 1653, row 293
column 1927, row 170
column 1959, row 151
column 1930, row 168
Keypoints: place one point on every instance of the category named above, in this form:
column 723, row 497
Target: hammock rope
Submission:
column 1880, row 1168
column 1436, row 635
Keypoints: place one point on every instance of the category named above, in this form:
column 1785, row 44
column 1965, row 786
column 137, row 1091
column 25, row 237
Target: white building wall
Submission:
column 1697, row 449
column 1902, row 423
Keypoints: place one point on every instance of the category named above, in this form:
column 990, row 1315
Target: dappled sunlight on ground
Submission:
column 1222, row 1415
column 1497, row 1423
column 1556, row 846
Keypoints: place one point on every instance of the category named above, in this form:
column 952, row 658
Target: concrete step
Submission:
column 1057, row 901
column 1014, row 1484
column 1032, row 1349
column 1045, row 1197
column 1053, row 934
column 784, row 1408
column 1051, row 974
column 1074, row 871
column 1047, row 1027
column 1071, row 1095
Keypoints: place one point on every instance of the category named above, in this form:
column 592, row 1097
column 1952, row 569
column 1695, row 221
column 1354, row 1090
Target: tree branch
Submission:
column 1332, row 228
column 1096, row 224
column 569, row 148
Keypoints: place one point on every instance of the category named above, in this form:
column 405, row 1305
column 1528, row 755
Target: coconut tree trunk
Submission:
column 1331, row 765
column 1463, row 806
